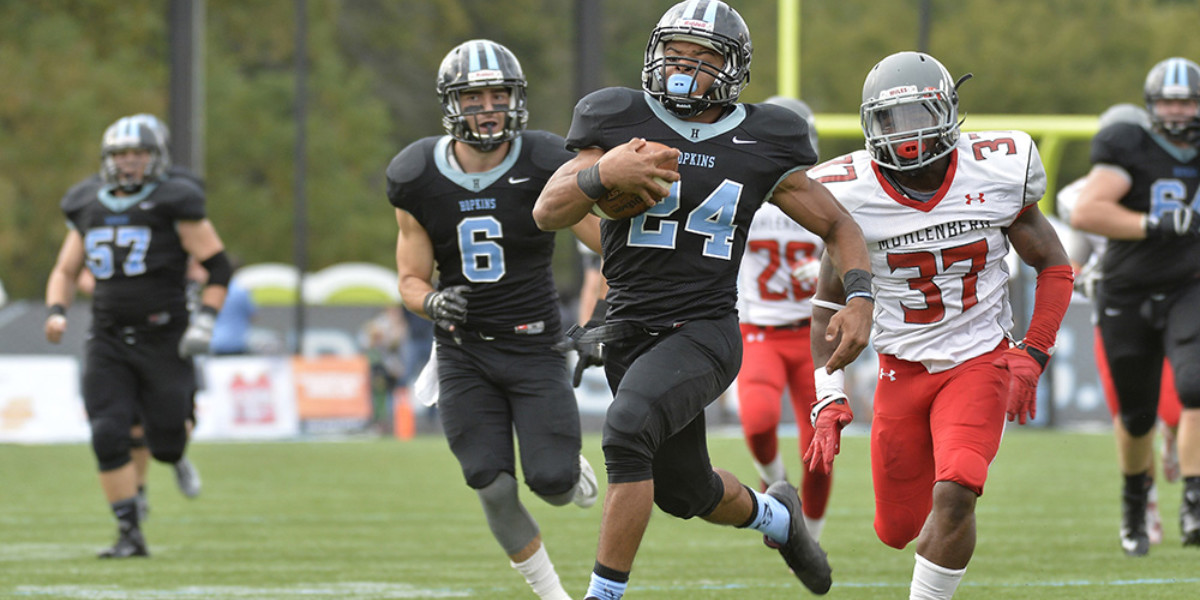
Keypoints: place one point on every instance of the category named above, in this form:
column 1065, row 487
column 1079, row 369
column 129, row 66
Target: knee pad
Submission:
column 510, row 523
column 554, row 485
column 168, row 446
column 1187, row 384
column 110, row 443
column 629, row 440
column 685, row 503
column 1140, row 420
column 897, row 525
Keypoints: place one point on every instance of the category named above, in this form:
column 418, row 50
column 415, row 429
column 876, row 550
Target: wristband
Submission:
column 830, row 388
column 857, row 284
column 1041, row 357
column 208, row 310
column 590, row 184
column 56, row 310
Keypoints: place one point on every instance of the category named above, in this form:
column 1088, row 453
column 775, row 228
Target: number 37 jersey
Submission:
column 941, row 283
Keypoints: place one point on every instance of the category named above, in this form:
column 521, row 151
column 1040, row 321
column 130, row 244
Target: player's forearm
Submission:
column 60, row 288
column 561, row 204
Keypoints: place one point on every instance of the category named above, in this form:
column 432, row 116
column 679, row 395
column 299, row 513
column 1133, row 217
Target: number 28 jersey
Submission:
column 941, row 284
column 679, row 260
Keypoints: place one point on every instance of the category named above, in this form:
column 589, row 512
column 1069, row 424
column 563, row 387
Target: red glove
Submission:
column 1024, row 365
column 830, row 413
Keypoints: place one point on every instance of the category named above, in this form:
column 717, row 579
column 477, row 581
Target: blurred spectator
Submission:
column 383, row 339
column 232, row 329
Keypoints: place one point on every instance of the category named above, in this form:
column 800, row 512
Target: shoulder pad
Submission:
column 547, row 150
column 592, row 110
column 407, row 167
column 781, row 126
column 183, row 195
column 1116, row 141
column 80, row 194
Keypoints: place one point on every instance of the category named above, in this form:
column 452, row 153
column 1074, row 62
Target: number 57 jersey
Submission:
column 941, row 284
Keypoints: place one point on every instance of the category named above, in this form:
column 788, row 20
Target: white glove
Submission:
column 199, row 333
column 806, row 272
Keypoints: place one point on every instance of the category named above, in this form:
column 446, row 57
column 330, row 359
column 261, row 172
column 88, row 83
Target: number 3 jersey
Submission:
column 482, row 229
column 941, row 284
column 133, row 248
column 679, row 260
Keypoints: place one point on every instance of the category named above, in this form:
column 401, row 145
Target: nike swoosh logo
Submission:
column 740, row 141
column 516, row 180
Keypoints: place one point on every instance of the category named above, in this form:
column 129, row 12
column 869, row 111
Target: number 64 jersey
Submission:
column 941, row 284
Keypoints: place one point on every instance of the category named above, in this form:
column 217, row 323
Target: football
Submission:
column 617, row 205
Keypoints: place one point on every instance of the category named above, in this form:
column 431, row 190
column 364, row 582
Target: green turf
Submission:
column 389, row 519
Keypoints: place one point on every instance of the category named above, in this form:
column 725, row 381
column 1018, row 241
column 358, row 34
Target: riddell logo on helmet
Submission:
column 485, row 75
column 695, row 24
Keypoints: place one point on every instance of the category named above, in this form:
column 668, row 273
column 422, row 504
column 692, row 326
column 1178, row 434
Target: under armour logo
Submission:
column 970, row 199
column 891, row 375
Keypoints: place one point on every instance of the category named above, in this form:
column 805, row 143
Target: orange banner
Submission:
column 332, row 387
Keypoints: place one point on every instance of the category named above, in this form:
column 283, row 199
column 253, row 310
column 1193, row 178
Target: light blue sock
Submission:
column 605, row 589
column 772, row 519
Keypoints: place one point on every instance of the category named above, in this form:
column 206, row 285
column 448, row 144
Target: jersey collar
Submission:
column 473, row 182
column 120, row 204
column 901, row 198
column 696, row 132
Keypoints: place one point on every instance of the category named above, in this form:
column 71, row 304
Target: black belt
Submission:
column 620, row 330
column 801, row 324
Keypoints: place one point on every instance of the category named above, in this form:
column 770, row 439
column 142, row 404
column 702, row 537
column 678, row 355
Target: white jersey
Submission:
column 768, row 294
column 941, row 285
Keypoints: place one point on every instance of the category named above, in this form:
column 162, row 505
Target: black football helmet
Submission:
column 709, row 23
column 478, row 64
column 801, row 108
column 164, row 135
column 1174, row 79
column 909, row 111
column 126, row 134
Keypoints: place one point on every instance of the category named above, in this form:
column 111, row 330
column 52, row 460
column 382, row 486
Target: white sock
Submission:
column 814, row 527
column 540, row 575
column 772, row 471
column 933, row 582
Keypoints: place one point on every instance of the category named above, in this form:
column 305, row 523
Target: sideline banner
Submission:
column 333, row 393
column 246, row 398
column 40, row 400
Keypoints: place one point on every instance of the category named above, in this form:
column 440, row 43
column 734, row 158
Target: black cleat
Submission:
column 1135, row 540
column 187, row 477
column 1189, row 518
column 805, row 557
column 129, row 543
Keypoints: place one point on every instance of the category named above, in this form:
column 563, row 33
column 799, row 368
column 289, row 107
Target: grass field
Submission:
column 387, row 519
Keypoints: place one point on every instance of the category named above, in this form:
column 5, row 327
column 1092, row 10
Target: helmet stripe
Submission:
column 492, row 61
column 689, row 11
column 472, row 58
column 710, row 13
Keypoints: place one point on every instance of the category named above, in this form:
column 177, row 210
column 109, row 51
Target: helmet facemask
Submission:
column 474, row 66
column 1174, row 79
column 911, row 129
column 713, row 25
column 131, row 134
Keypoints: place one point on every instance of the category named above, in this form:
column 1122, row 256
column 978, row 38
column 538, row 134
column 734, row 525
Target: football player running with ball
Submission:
column 671, row 328
column 463, row 203
column 1141, row 195
column 939, row 212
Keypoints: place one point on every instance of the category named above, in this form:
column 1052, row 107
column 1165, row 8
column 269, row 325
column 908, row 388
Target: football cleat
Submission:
column 586, row 490
column 1135, row 541
column 187, row 478
column 805, row 557
column 129, row 543
column 1189, row 517
column 1154, row 526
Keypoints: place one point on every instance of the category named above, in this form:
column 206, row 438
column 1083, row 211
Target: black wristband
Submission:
column 56, row 309
column 208, row 310
column 857, row 284
column 589, row 182
column 1041, row 357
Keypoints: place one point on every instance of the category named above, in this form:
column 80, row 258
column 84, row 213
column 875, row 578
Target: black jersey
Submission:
column 679, row 260
column 482, row 228
column 133, row 248
column 1163, row 178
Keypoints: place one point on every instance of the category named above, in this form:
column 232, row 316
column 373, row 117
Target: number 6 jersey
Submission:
column 941, row 284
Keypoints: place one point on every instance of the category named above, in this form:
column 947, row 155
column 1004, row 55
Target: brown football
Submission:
column 618, row 205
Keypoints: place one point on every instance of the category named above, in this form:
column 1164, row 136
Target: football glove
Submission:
column 447, row 308
column 590, row 354
column 1024, row 365
column 198, row 336
column 805, row 272
column 830, row 413
column 1173, row 223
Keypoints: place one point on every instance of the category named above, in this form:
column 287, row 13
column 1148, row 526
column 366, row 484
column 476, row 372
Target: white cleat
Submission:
column 187, row 478
column 586, row 490
column 1154, row 526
